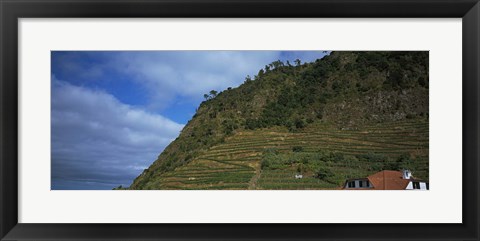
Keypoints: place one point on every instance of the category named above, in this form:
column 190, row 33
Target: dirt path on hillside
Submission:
column 252, row 184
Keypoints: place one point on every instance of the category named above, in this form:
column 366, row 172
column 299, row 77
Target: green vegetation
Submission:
column 265, row 159
column 349, row 114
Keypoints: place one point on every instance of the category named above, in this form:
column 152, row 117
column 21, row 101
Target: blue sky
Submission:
column 113, row 112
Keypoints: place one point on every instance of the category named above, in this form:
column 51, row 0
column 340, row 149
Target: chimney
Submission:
column 407, row 174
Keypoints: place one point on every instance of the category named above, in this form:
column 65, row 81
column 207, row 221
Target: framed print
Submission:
column 239, row 120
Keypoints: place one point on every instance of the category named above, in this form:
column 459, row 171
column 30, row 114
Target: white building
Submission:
column 387, row 180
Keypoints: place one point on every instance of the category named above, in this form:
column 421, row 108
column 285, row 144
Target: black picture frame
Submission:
column 12, row 10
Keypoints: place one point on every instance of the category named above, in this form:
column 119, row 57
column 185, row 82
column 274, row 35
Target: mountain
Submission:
column 345, row 115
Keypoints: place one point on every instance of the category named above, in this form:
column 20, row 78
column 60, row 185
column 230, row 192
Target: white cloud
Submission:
column 98, row 139
column 170, row 76
column 190, row 74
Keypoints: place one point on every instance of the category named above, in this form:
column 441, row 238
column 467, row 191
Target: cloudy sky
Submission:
column 113, row 112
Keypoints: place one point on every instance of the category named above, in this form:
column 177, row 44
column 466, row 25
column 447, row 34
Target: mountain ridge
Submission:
column 346, row 91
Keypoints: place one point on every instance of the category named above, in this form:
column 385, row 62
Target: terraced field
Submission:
column 236, row 163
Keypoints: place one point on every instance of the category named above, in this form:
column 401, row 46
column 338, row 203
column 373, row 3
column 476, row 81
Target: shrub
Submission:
column 301, row 168
column 297, row 149
column 265, row 164
column 323, row 173
column 299, row 123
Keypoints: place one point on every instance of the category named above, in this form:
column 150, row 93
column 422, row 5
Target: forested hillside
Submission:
column 345, row 115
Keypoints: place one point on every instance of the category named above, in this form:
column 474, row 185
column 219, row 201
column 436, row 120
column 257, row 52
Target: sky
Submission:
column 113, row 112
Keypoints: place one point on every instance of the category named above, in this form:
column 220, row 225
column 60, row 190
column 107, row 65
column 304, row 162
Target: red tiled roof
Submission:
column 388, row 180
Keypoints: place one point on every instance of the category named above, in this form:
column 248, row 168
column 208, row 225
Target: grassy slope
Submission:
column 235, row 164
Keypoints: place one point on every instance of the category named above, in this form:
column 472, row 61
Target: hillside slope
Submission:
column 345, row 115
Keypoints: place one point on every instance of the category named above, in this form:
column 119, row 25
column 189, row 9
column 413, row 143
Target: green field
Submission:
column 340, row 153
